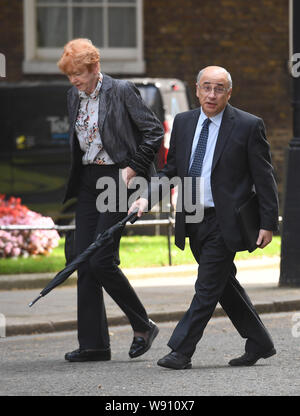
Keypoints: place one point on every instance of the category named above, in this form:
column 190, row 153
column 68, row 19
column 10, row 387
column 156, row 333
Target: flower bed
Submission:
column 22, row 242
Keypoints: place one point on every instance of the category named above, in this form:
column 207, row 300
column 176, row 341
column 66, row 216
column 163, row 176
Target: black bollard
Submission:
column 290, row 243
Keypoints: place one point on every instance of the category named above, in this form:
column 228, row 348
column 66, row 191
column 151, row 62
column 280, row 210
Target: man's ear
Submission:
column 197, row 91
column 229, row 94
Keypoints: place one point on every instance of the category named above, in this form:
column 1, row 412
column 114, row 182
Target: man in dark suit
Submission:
column 227, row 147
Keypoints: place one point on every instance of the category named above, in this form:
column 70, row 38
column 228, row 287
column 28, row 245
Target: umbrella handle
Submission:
column 132, row 217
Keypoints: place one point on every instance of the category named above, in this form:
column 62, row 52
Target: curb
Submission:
column 50, row 327
column 38, row 281
column 31, row 281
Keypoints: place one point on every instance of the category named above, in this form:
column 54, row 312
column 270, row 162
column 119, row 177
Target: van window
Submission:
column 152, row 97
column 175, row 102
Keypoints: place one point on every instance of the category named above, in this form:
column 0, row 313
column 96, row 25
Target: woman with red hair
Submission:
column 112, row 134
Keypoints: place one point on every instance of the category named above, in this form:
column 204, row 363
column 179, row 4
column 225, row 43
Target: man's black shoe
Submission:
column 176, row 361
column 250, row 358
column 140, row 345
column 88, row 355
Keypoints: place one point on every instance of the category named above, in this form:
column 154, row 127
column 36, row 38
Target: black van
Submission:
column 166, row 97
column 34, row 147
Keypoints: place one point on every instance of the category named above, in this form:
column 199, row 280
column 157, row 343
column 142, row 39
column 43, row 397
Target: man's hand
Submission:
column 264, row 238
column 127, row 174
column 141, row 204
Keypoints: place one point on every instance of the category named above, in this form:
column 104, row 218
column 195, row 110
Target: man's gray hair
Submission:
column 227, row 73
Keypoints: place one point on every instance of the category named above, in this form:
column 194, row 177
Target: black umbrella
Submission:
column 73, row 265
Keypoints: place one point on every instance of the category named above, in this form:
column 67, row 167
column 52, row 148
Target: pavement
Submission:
column 166, row 293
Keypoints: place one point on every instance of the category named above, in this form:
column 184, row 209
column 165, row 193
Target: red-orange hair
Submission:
column 77, row 54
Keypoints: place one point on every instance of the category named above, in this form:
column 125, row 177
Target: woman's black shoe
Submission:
column 88, row 355
column 140, row 345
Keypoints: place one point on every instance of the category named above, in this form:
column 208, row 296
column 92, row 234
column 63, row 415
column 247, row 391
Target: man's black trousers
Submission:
column 215, row 283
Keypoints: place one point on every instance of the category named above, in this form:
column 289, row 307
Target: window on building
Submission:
column 115, row 26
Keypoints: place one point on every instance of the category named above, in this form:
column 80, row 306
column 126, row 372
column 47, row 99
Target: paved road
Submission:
column 166, row 293
column 34, row 365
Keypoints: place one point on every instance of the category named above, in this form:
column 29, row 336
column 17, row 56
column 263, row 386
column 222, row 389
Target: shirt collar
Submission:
column 95, row 93
column 217, row 119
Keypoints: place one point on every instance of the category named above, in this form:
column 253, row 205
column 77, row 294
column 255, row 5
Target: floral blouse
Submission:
column 87, row 128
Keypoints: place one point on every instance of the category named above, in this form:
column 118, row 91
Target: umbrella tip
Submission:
column 35, row 300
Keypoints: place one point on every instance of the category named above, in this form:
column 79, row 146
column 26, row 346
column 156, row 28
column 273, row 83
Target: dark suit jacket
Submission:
column 130, row 132
column 241, row 159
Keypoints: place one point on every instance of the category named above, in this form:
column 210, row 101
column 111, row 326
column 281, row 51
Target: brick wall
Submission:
column 249, row 38
column 11, row 38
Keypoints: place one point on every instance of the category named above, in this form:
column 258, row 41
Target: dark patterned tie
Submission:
column 196, row 168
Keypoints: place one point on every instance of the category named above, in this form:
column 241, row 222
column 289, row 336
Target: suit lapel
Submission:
column 224, row 133
column 189, row 137
column 104, row 98
column 73, row 105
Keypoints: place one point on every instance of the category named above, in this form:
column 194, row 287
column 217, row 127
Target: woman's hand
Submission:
column 141, row 204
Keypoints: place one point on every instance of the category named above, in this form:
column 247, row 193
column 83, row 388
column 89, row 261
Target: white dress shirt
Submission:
column 214, row 128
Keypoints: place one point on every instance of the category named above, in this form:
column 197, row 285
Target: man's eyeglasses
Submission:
column 217, row 90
